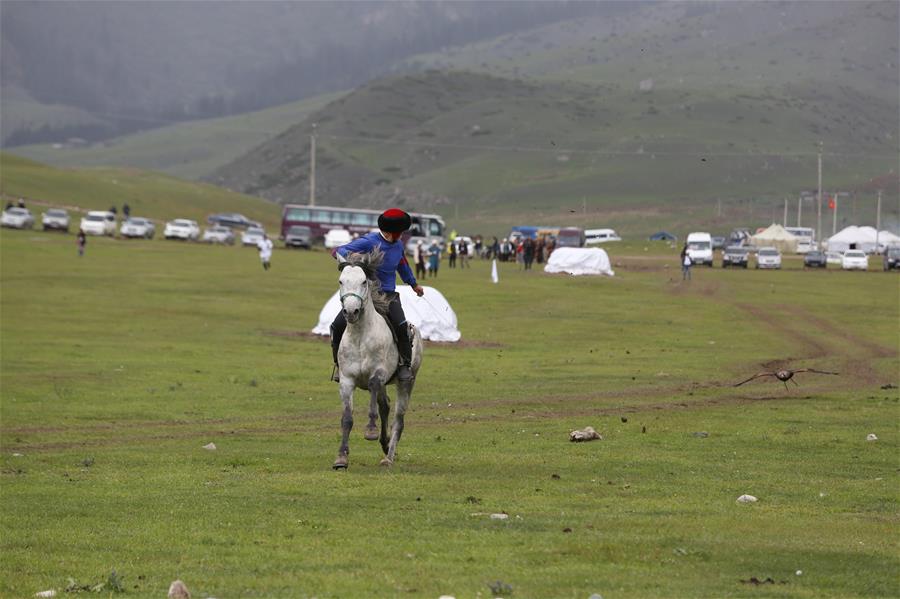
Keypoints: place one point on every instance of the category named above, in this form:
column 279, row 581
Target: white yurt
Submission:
column 853, row 238
column 887, row 239
column 431, row 314
column 776, row 236
column 579, row 261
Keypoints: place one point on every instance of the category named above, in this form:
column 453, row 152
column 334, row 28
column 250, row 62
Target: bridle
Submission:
column 362, row 300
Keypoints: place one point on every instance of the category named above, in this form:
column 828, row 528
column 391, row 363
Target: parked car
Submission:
column 55, row 219
column 815, row 259
column 891, row 258
column 17, row 218
column 182, row 228
column 833, row 258
column 218, row 234
column 232, row 219
column 298, row 236
column 699, row 248
column 99, row 222
column 718, row 243
column 855, row 260
column 598, row 236
column 337, row 237
column 137, row 227
column 768, row 257
column 735, row 255
column 252, row 236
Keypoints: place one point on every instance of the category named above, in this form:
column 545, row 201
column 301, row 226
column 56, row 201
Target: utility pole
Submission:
column 877, row 220
column 785, row 213
column 819, row 217
column 799, row 209
column 834, row 215
column 312, row 167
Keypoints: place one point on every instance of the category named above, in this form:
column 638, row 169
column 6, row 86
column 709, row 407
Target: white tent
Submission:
column 431, row 314
column 776, row 236
column 853, row 238
column 579, row 261
column 887, row 239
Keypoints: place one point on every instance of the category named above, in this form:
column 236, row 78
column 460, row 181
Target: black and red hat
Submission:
column 394, row 220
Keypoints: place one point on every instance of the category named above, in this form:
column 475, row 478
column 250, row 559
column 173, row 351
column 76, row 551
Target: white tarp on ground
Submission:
column 579, row 261
column 431, row 314
column 860, row 238
column 776, row 236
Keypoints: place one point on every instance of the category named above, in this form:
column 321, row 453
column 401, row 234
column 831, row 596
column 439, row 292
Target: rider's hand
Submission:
column 419, row 291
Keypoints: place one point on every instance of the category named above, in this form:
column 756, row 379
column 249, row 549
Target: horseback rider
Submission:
column 391, row 224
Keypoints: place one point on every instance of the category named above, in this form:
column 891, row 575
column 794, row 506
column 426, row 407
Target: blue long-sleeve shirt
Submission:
column 394, row 259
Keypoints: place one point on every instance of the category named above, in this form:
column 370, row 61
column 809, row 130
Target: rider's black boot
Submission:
column 404, row 346
column 335, row 345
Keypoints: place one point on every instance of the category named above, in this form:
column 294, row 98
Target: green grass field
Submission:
column 117, row 368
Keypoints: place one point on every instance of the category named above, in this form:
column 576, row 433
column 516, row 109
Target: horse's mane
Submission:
column 369, row 263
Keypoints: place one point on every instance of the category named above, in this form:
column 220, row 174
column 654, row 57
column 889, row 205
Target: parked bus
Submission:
column 321, row 219
column 572, row 237
column 806, row 238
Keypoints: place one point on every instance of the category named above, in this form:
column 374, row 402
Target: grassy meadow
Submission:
column 118, row 367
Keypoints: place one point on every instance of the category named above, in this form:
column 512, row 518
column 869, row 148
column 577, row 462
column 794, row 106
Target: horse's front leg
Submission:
column 342, row 460
column 404, row 390
column 376, row 389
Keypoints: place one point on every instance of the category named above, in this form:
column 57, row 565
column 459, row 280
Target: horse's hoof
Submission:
column 372, row 433
column 340, row 463
column 387, row 462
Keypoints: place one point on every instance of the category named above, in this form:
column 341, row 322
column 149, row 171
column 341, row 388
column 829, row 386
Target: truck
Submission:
column 699, row 248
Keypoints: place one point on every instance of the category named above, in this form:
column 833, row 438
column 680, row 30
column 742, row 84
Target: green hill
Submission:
column 151, row 195
column 187, row 150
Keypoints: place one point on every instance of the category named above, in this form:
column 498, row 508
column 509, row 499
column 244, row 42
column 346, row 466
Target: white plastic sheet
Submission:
column 579, row 261
column 431, row 314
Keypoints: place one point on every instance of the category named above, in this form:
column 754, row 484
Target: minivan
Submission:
column 598, row 236
column 699, row 248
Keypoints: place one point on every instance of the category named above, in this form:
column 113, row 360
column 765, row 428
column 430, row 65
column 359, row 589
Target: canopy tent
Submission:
column 663, row 236
column 431, row 314
column 579, row 261
column 858, row 238
column 776, row 236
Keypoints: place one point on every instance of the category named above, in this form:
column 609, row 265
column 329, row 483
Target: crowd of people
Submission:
column 460, row 250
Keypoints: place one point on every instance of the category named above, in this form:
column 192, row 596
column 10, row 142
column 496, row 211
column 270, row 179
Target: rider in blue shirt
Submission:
column 392, row 223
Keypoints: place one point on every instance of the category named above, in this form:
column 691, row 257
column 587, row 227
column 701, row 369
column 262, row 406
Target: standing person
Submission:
column 419, row 259
column 126, row 210
column 82, row 241
column 452, row 254
column 21, row 202
column 686, row 263
column 434, row 258
column 265, row 251
column 391, row 224
column 9, row 204
column 528, row 253
column 495, row 249
column 478, row 247
column 464, row 255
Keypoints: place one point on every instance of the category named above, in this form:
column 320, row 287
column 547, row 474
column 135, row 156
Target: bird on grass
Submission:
column 785, row 375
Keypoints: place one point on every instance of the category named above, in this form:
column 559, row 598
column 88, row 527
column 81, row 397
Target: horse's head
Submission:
column 354, row 290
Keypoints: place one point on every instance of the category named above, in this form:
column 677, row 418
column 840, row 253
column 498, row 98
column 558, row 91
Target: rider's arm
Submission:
column 359, row 245
column 406, row 273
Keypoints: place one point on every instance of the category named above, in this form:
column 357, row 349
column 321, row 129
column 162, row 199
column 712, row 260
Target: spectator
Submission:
column 113, row 209
column 464, row 255
column 9, row 204
column 494, row 251
column 21, row 202
column 126, row 210
column 685, row 264
column 452, row 254
column 419, row 259
column 479, row 246
column 434, row 258
column 528, row 253
column 265, row 251
column 82, row 241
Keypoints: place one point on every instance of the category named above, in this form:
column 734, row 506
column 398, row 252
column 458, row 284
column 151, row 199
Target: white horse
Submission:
column 368, row 356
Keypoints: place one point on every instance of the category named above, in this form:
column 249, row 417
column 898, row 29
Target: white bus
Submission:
column 806, row 238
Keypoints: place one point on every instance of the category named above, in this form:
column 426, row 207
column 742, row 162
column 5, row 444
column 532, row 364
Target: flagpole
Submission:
column 834, row 215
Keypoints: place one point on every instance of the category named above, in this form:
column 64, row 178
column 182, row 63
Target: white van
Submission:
column 699, row 248
column 598, row 236
column 99, row 222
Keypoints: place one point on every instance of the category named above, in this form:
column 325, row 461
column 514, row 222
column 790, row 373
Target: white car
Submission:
column 768, row 257
column 337, row 237
column 834, row 258
column 99, row 222
column 855, row 260
column 136, row 226
column 55, row 219
column 252, row 236
column 218, row 234
column 17, row 218
column 598, row 236
column 182, row 228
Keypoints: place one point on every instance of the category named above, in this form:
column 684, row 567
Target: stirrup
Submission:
column 411, row 376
